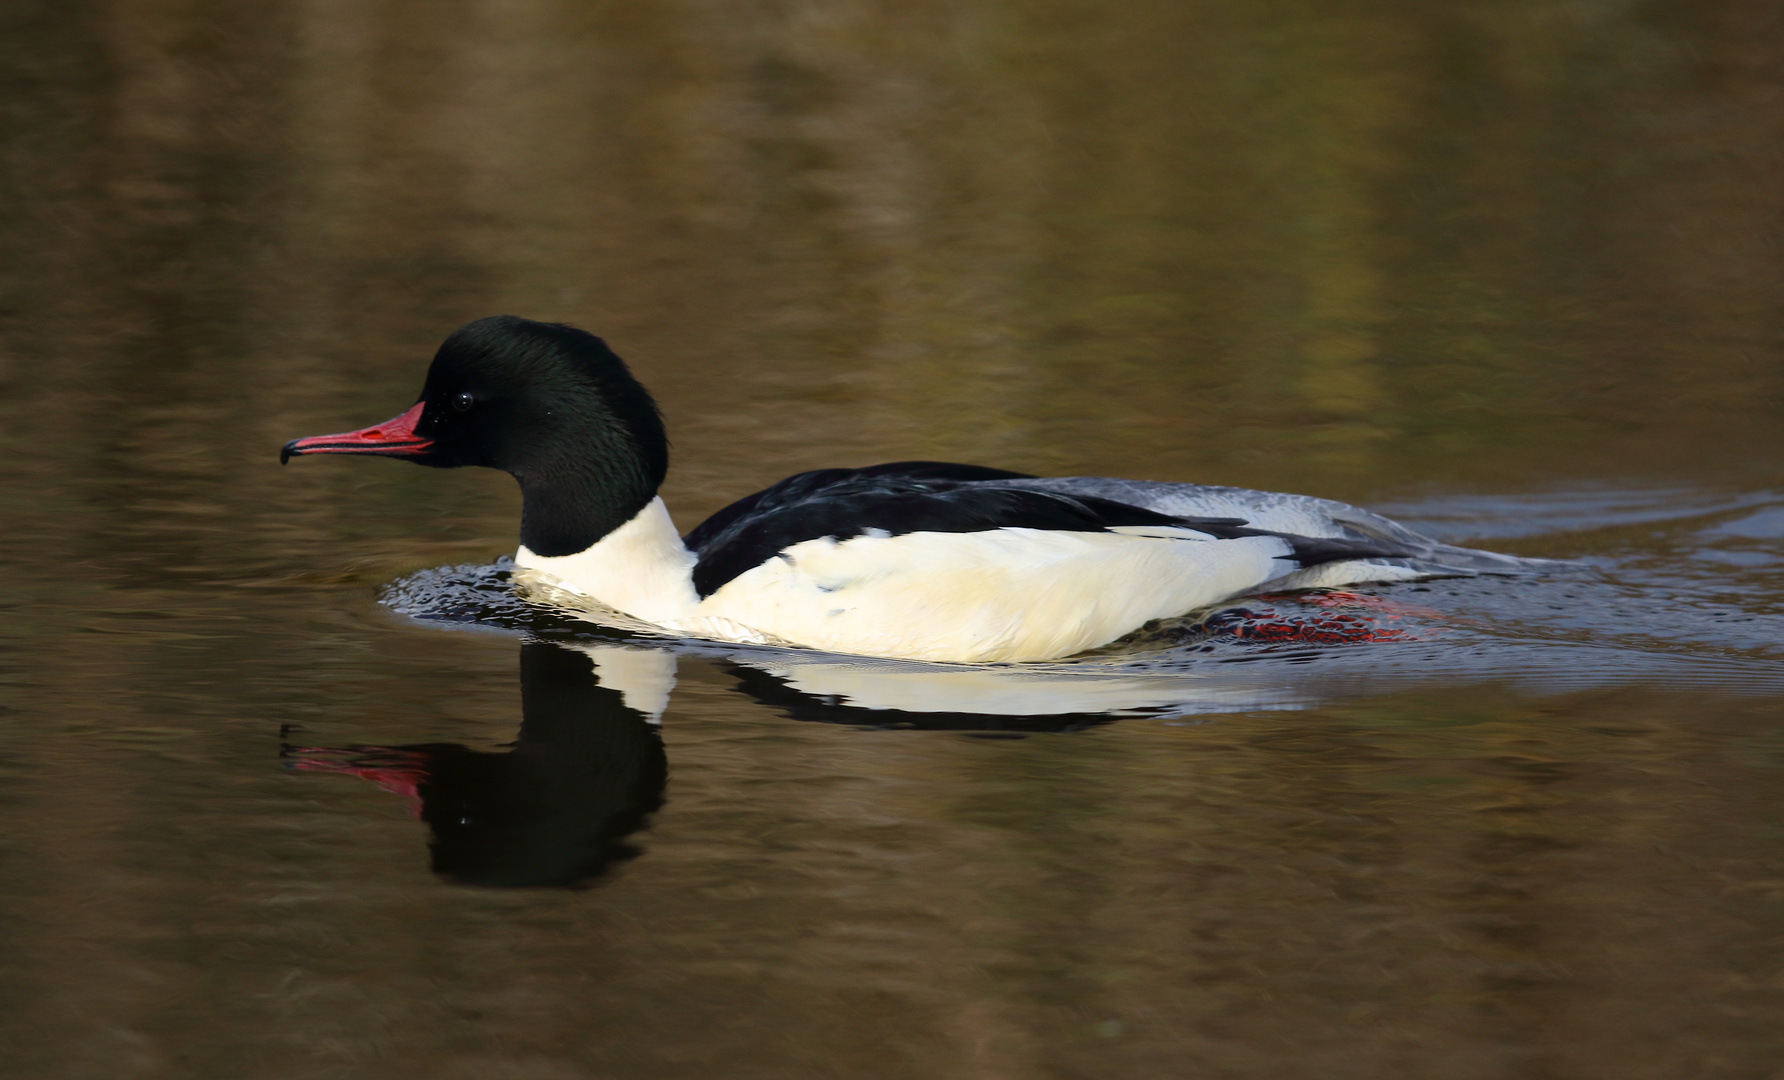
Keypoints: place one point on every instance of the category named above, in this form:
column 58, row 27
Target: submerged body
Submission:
column 911, row 560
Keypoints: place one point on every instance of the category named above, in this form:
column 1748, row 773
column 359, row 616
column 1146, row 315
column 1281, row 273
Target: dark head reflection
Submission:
column 585, row 773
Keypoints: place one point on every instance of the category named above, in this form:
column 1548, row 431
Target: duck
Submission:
column 909, row 560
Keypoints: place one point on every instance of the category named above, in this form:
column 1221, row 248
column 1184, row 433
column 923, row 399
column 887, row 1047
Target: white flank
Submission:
column 1003, row 595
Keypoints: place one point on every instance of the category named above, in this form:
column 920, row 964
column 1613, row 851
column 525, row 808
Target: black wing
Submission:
column 801, row 486
column 907, row 497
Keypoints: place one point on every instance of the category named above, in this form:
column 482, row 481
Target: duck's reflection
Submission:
column 589, row 767
column 789, row 694
column 1010, row 700
column 586, row 771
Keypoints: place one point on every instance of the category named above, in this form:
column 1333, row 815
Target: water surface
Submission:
column 287, row 774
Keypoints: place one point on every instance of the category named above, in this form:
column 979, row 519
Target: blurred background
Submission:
column 1509, row 269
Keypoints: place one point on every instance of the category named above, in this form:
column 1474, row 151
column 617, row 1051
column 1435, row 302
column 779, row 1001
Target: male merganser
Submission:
column 916, row 560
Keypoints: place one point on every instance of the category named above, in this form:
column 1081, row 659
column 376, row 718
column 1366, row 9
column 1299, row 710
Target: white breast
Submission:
column 641, row 568
column 1003, row 595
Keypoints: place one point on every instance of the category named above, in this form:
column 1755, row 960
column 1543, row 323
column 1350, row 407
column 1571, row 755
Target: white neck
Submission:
column 641, row 568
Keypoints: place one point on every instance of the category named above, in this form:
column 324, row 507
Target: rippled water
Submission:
column 1690, row 607
column 292, row 783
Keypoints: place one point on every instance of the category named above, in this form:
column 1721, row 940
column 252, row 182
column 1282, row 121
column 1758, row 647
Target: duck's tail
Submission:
column 1415, row 554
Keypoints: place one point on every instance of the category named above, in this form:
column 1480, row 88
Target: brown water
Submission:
column 1509, row 271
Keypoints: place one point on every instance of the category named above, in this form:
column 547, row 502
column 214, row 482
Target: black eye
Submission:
column 463, row 402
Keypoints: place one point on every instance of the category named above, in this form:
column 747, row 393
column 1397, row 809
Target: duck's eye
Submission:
column 463, row 402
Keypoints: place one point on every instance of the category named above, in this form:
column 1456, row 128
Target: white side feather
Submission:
column 1002, row 595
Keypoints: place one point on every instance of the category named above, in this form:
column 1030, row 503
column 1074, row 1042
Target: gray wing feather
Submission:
column 1303, row 515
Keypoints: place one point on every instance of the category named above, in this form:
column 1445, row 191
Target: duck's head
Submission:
column 548, row 403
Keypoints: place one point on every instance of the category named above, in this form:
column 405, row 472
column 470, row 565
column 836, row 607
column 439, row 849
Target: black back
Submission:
column 931, row 496
column 795, row 489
